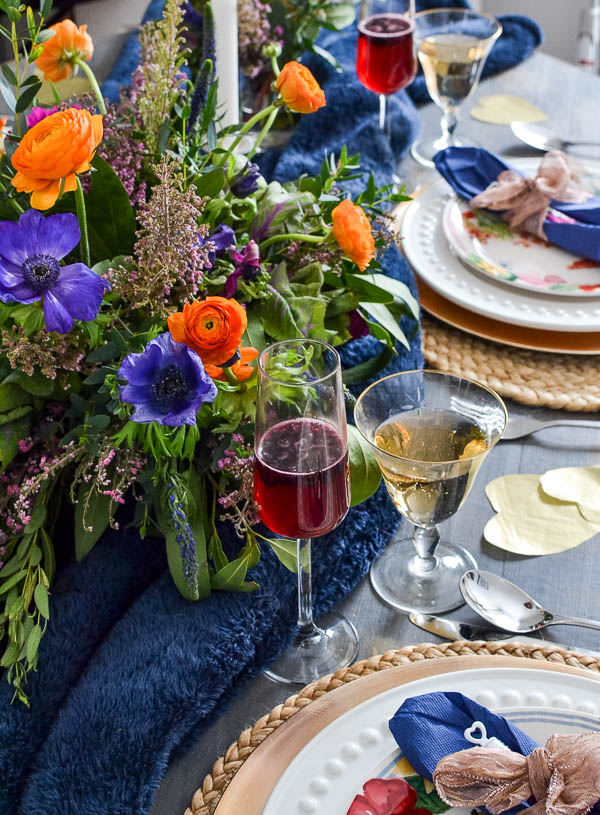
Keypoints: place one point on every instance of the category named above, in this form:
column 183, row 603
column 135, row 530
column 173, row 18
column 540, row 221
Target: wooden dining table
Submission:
column 568, row 582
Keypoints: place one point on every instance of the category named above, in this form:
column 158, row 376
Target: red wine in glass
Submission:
column 385, row 61
column 301, row 478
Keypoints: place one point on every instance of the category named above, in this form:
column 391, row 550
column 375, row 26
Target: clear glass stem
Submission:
column 306, row 624
column 448, row 123
column 425, row 542
column 385, row 118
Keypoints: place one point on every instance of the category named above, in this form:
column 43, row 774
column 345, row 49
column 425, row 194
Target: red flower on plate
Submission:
column 386, row 796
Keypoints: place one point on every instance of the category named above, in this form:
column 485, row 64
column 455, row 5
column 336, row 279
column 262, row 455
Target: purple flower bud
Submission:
column 357, row 326
column 246, row 181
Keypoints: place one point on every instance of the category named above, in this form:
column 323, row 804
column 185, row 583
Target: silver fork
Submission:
column 518, row 426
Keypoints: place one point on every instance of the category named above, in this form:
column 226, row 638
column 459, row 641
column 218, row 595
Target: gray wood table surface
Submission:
column 568, row 582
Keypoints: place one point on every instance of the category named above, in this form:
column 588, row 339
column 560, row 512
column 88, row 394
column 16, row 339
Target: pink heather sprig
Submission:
column 170, row 256
column 254, row 32
column 124, row 153
column 112, row 472
column 23, row 481
column 236, row 477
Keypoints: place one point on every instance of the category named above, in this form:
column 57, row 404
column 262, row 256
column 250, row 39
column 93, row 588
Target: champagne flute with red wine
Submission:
column 386, row 58
column 302, row 485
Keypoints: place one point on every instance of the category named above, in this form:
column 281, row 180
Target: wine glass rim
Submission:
column 334, row 370
column 465, row 12
column 429, row 372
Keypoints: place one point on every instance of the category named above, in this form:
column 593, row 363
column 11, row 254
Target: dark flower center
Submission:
column 41, row 272
column 170, row 385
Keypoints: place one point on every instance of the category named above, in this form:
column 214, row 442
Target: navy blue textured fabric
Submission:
column 129, row 671
column 429, row 727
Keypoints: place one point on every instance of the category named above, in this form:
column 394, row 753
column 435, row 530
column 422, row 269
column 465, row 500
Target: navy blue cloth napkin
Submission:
column 431, row 726
column 470, row 170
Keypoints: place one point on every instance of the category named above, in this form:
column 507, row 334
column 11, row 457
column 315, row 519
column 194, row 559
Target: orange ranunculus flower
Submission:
column 352, row 230
column 58, row 147
column 241, row 368
column 299, row 89
column 68, row 43
column 213, row 328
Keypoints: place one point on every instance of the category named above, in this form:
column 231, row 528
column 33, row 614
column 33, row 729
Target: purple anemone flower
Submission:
column 247, row 265
column 166, row 383
column 221, row 238
column 246, row 181
column 30, row 251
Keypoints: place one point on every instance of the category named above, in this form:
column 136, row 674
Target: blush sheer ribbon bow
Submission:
column 527, row 200
column 563, row 777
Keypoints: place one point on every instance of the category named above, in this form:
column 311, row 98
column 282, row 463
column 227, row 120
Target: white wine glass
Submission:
column 430, row 432
column 453, row 45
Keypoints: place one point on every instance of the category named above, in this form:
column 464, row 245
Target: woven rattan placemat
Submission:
column 205, row 800
column 560, row 381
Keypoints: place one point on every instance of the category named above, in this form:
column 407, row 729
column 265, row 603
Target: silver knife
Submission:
column 455, row 629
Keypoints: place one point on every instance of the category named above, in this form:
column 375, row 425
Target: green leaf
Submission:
column 276, row 316
column 10, row 436
column 426, row 800
column 111, row 219
column 9, row 73
column 12, row 396
column 37, row 517
column 40, row 596
column 45, row 8
column 368, row 291
column 12, row 581
column 13, row 565
column 49, row 558
column 99, row 422
column 400, row 292
column 286, row 551
column 14, row 15
column 90, row 525
column 7, row 93
column 35, row 555
column 10, row 656
column 387, row 320
column 33, row 643
column 13, row 415
column 254, row 334
column 211, row 183
column 26, row 97
column 37, row 384
column 233, row 576
column 365, row 475
column 339, row 15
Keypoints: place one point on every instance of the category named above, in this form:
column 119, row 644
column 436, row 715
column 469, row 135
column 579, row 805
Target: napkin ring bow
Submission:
column 563, row 777
column 526, row 201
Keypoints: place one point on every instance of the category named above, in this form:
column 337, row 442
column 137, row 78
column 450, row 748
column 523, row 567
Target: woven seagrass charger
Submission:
column 559, row 381
column 206, row 799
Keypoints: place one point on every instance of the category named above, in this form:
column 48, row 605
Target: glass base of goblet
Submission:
column 398, row 579
column 334, row 646
column 423, row 150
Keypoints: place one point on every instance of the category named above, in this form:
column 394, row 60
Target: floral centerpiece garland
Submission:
column 144, row 264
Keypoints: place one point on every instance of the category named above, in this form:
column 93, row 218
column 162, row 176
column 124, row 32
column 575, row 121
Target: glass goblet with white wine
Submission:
column 430, row 433
column 453, row 45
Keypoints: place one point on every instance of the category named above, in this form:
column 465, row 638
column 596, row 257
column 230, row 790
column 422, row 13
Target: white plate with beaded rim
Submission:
column 329, row 771
column 426, row 248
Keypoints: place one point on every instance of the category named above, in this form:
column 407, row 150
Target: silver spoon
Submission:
column 507, row 606
column 543, row 139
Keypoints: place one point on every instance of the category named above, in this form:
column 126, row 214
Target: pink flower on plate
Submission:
column 386, row 796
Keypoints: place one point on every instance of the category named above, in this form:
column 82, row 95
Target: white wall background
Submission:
column 559, row 20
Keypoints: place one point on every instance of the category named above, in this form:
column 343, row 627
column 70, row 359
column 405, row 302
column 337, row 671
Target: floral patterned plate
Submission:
column 486, row 244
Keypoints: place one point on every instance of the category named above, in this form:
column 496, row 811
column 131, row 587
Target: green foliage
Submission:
column 92, row 516
column 365, row 475
column 111, row 219
column 430, row 801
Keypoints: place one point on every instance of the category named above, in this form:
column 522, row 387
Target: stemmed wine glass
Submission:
column 385, row 57
column 430, row 432
column 453, row 45
column 302, row 485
